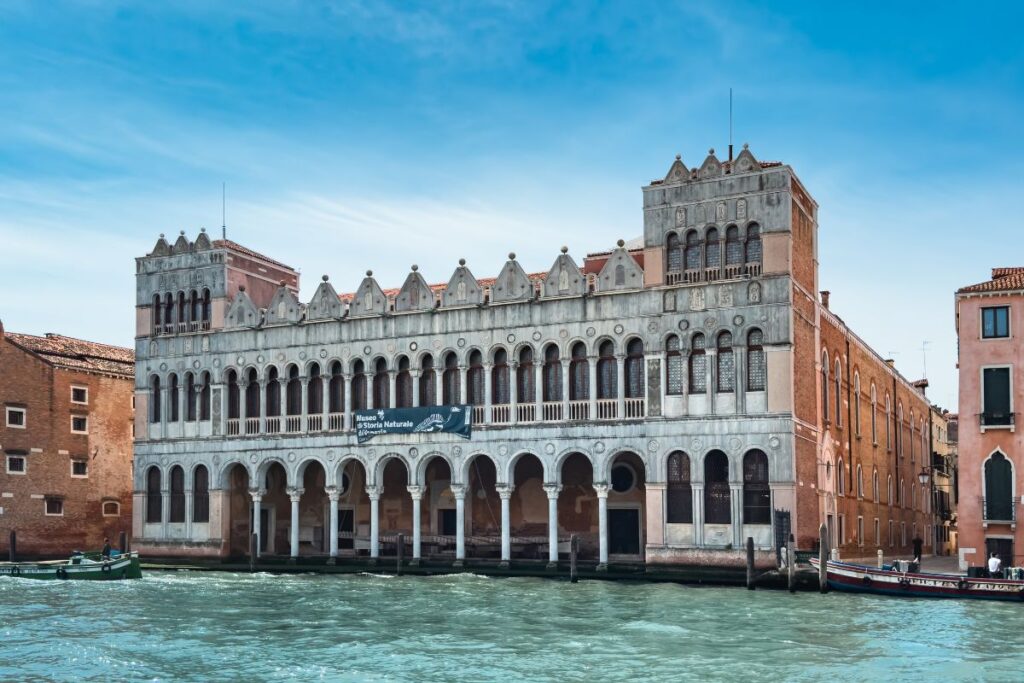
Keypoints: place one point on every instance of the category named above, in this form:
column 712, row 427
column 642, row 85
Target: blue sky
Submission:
column 357, row 135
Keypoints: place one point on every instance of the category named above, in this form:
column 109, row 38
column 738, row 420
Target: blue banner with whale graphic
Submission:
column 451, row 419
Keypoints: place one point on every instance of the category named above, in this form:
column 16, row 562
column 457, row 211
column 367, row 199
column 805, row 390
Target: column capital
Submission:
column 374, row 492
column 332, row 493
column 552, row 490
column 504, row 491
column 257, row 494
column 602, row 490
column 458, row 491
column 415, row 491
column 295, row 494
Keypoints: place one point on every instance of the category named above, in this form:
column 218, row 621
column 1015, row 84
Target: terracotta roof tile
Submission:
column 1003, row 279
column 235, row 246
column 77, row 354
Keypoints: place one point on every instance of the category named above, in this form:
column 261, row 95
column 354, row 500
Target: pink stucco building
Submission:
column 989, row 325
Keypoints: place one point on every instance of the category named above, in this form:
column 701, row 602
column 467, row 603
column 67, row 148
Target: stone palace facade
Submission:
column 661, row 400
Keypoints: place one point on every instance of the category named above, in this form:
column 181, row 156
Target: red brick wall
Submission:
column 46, row 393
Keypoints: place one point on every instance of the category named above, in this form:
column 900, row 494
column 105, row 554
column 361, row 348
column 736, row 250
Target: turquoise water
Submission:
column 214, row 626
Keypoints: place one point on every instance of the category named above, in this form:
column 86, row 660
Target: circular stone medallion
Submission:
column 391, row 348
column 253, row 458
column 461, row 342
column 437, row 344
column 291, row 457
column 683, row 325
column 511, row 338
column 216, row 362
column 653, row 446
column 591, row 331
column 599, row 447
column 260, row 359
column 564, row 334
column 302, row 355
column 414, row 452
column 652, row 326
column 502, row 450
column 737, row 320
column 549, row 448
column 536, row 335
column 195, row 364
column 367, row 350
column 323, row 353
column 163, row 366
column 413, row 346
column 619, row 329
column 775, row 442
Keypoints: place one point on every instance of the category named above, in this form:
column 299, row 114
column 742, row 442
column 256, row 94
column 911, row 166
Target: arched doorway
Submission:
column 275, row 511
column 441, row 525
column 239, row 511
column 353, row 509
column 395, row 506
column 627, row 496
column 528, row 508
column 313, row 510
column 577, row 504
column 483, row 508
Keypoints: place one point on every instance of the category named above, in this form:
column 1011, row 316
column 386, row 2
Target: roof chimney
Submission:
column 824, row 298
column 891, row 362
column 921, row 385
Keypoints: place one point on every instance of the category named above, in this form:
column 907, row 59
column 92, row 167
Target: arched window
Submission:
column 678, row 492
column 314, row 390
column 500, row 390
column 838, row 381
column 753, row 243
column 475, row 379
column 756, row 370
column 888, row 490
column 381, row 384
column 201, row 495
column 824, row 385
column 998, row 502
column 856, row 402
column 154, row 496
column 182, row 315
column 634, row 370
column 757, row 497
column 234, row 396
column 912, row 438
column 579, row 373
column 273, row 394
column 428, row 381
column 358, row 385
column 903, row 493
column 874, row 485
column 733, row 246
column 860, row 481
column 552, row 374
column 692, row 253
column 177, row 495
column 525, row 389
column 403, row 384
column 841, row 478
column 913, row 497
column 874, row 415
column 698, row 365
column 673, row 253
column 195, row 307
column 607, row 371
column 450, row 380
column 172, row 398
column 169, row 317
column 726, row 364
column 717, row 499
column 899, row 428
column 336, row 390
column 206, row 306
column 190, row 397
column 673, row 366
column 157, row 314
column 712, row 249
column 888, row 423
column 204, row 397
column 155, row 399
column 293, row 392
column 252, row 394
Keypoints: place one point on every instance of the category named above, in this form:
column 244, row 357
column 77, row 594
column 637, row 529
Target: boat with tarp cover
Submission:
column 79, row 567
column 891, row 580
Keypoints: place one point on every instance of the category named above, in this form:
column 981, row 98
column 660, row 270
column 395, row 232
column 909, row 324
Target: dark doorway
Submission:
column 624, row 532
column 446, row 522
column 346, row 525
column 1003, row 547
column 264, row 530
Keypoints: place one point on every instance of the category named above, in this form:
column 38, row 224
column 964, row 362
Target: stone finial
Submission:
column 161, row 235
column 369, row 273
column 324, row 278
column 511, row 256
column 746, row 145
column 415, row 267
column 241, row 288
column 462, row 261
column 711, row 151
column 565, row 249
column 679, row 157
column 202, row 229
column 621, row 243
column 182, row 232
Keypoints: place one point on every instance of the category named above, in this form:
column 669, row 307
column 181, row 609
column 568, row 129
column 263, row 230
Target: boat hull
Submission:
column 853, row 578
column 124, row 567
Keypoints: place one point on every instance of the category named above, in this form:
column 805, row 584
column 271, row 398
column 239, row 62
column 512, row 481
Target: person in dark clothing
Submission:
column 106, row 549
column 918, row 544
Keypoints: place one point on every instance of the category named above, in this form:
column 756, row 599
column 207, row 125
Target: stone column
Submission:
column 712, row 376
column 698, row 513
column 416, row 492
column 463, row 384
column 592, row 389
column 487, row 392
column 459, row 493
column 304, row 406
column 165, row 510
column 325, row 399
column 740, row 359
column 182, row 404
column 188, row 510
column 392, row 386
column 295, row 495
column 505, row 493
column 243, row 394
column 415, row 398
column 538, row 390
column 263, row 405
column 565, row 388
column 438, row 386
column 282, row 396
column 602, row 525
column 332, row 495
column 257, row 497
column 374, row 494
column 552, row 490
column 348, row 403
column 513, row 392
column 620, row 381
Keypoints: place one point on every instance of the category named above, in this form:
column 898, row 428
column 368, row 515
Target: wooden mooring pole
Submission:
column 750, row 563
column 122, row 542
column 823, row 558
column 574, row 546
column 12, row 549
column 399, row 553
column 253, row 547
column 791, row 563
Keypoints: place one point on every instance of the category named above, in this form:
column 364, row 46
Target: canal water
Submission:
column 218, row 626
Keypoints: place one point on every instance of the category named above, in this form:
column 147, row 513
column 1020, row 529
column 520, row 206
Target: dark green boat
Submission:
column 80, row 567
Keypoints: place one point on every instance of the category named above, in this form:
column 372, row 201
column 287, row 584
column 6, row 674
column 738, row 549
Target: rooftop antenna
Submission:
column 224, row 210
column 924, row 359
column 730, row 124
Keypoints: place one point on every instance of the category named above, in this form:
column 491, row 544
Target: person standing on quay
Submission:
column 995, row 567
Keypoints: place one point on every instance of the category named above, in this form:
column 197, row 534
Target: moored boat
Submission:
column 858, row 578
column 80, row 567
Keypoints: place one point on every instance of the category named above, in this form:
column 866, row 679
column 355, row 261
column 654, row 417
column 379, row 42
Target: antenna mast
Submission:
column 924, row 359
column 730, row 124
column 224, row 210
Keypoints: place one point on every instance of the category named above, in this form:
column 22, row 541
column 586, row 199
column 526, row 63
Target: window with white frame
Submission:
column 80, row 395
column 17, row 463
column 860, row 531
column 17, row 418
column 995, row 322
column 111, row 508
column 79, row 424
column 80, row 468
column 997, row 406
column 53, row 506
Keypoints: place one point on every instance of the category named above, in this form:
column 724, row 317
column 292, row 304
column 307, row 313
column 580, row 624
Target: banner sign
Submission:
column 451, row 419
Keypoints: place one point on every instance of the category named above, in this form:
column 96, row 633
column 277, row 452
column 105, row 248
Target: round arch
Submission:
column 421, row 466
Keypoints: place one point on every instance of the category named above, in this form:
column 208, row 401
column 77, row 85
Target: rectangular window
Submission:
column 111, row 508
column 16, row 418
column 996, row 409
column 903, row 533
column 54, row 507
column 892, row 537
column 995, row 322
column 16, row 463
column 675, row 374
column 80, row 395
column 79, row 424
column 80, row 468
column 860, row 531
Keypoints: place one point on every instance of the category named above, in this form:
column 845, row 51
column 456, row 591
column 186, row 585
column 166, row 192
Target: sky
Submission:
column 374, row 135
